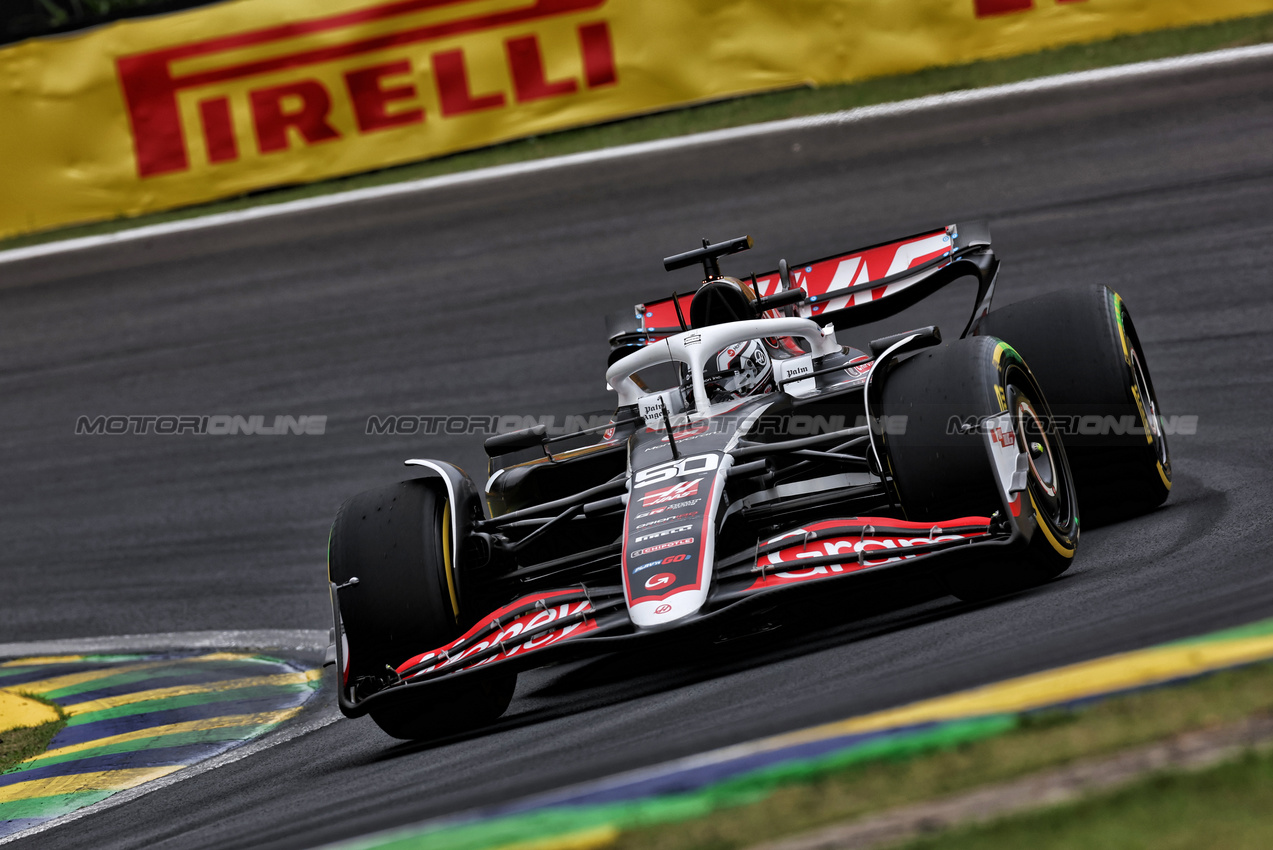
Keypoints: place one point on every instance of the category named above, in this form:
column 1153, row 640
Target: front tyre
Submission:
column 941, row 471
column 395, row 541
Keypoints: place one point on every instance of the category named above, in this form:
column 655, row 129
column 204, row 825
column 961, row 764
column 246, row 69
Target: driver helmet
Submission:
column 743, row 369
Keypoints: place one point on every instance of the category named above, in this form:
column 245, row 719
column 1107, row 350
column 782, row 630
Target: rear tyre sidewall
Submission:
column 1083, row 348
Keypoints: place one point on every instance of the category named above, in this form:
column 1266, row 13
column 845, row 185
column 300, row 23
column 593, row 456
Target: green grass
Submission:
column 740, row 111
column 18, row 745
column 1041, row 741
column 1229, row 807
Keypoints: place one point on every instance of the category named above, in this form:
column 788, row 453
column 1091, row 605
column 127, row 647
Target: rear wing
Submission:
column 873, row 283
column 850, row 289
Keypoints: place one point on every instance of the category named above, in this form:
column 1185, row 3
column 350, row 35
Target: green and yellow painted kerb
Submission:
column 132, row 719
column 594, row 816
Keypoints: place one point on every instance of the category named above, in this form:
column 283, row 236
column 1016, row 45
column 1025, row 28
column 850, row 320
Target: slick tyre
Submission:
column 941, row 470
column 1083, row 349
column 393, row 540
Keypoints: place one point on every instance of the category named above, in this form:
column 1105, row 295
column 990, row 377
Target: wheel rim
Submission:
column 1048, row 482
column 1038, row 448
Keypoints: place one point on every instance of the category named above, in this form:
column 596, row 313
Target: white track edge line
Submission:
column 850, row 116
column 300, row 640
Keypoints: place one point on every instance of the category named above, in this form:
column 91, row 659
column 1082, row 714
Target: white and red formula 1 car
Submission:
column 751, row 457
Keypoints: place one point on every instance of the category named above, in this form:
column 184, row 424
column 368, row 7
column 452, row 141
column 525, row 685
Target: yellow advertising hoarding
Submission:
column 152, row 114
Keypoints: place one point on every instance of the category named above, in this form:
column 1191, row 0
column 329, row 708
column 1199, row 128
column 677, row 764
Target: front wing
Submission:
column 574, row 621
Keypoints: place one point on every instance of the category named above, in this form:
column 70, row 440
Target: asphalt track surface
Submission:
column 488, row 299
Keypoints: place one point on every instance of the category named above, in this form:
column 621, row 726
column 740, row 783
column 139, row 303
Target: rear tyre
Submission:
column 1082, row 346
column 394, row 541
column 942, row 471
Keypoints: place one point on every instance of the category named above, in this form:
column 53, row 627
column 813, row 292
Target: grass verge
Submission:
column 1039, row 741
column 738, row 112
column 1223, row 807
column 18, row 745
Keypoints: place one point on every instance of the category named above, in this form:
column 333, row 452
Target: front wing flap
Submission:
column 531, row 623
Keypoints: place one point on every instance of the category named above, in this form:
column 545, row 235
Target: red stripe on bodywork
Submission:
column 553, row 601
column 871, row 264
column 878, row 548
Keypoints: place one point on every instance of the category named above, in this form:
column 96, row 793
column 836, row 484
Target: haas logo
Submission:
column 660, row 580
column 1005, row 438
column 670, row 494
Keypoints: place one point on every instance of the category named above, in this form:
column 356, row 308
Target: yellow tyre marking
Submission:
column 1140, row 406
column 446, row 558
column 1061, row 550
column 1122, row 332
column 1127, row 358
column 1000, row 392
column 1144, row 416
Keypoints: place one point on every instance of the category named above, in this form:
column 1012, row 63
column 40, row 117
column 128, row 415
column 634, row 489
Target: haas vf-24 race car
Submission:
column 751, row 457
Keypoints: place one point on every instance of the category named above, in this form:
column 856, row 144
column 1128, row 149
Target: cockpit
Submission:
column 697, row 372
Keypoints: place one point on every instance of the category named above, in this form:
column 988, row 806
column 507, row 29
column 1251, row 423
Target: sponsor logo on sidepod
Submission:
column 670, row 559
column 674, row 506
column 664, row 533
column 660, row 547
column 671, row 494
column 669, row 518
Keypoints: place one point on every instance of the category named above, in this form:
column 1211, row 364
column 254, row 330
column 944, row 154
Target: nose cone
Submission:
column 669, row 537
column 665, row 612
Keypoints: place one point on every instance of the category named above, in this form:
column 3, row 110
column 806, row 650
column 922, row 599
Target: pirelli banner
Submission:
column 151, row 114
